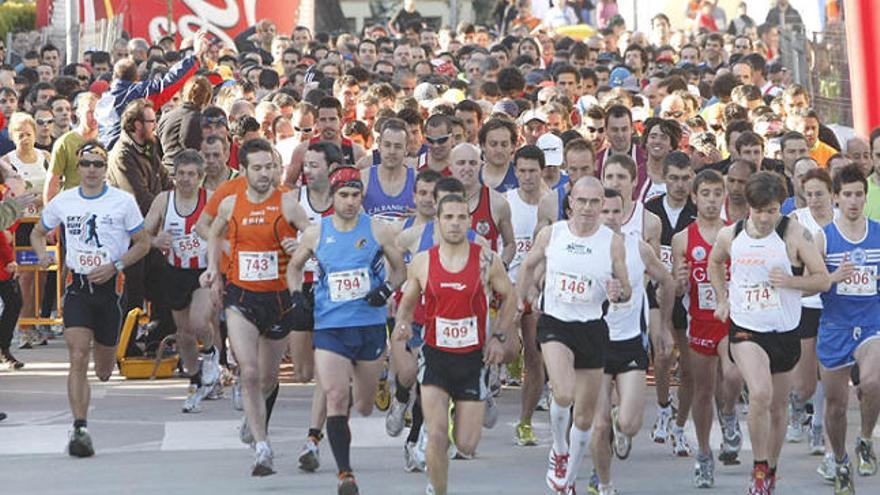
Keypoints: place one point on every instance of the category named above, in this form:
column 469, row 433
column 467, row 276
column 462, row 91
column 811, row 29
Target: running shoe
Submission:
column 237, row 400
column 621, row 444
column 660, row 431
column 263, row 460
column 525, row 437
column 704, row 471
column 310, row 456
column 843, row 482
column 80, row 443
column 867, row 459
column 194, row 396
column 760, row 484
column 490, row 418
column 593, row 484
column 680, row 446
column 429, row 490
column 827, row 468
column 216, row 392
column 410, row 461
column 347, row 484
column 817, row 439
column 557, row 470
column 394, row 419
column 544, row 400
column 9, row 360
column 420, row 454
column 608, row 489
column 383, row 396
column 731, row 439
column 210, row 368
column 244, row 432
column 796, row 417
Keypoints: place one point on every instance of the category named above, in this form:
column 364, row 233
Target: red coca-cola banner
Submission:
column 149, row 18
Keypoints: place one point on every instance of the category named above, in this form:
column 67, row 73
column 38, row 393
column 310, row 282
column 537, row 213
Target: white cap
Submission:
column 530, row 115
column 551, row 145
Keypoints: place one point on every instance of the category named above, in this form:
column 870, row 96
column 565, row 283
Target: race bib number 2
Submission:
column 863, row 282
column 706, row 297
column 456, row 334
column 86, row 260
column 254, row 266
column 348, row 285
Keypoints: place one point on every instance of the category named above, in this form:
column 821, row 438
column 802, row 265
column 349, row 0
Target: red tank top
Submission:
column 701, row 295
column 188, row 249
column 482, row 222
column 456, row 306
column 258, row 263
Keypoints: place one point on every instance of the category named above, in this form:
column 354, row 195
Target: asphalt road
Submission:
column 145, row 445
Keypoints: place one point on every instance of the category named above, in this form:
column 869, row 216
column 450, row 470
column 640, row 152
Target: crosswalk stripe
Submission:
column 201, row 435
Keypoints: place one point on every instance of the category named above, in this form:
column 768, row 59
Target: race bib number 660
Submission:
column 86, row 260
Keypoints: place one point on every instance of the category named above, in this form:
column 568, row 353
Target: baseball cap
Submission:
column 530, row 115
column 535, row 78
column 507, row 106
column 621, row 77
column 552, row 146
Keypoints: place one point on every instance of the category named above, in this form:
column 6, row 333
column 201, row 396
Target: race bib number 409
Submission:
column 348, row 285
column 457, row 334
column 254, row 266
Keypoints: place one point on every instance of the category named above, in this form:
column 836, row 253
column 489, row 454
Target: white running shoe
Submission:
column 263, row 460
column 827, row 468
column 394, row 419
column 194, row 397
column 544, row 400
column 490, row 418
column 817, row 439
column 680, row 446
column 660, row 431
column 557, row 471
column 237, row 400
column 310, row 456
column 210, row 367
column 420, row 453
column 410, row 462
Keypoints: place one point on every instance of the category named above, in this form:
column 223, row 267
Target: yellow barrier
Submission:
column 143, row 367
column 26, row 259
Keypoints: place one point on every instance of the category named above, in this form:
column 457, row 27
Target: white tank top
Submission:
column 524, row 218
column 635, row 225
column 805, row 217
column 33, row 174
column 576, row 272
column 754, row 304
column 624, row 319
column 651, row 190
column 188, row 249
column 314, row 217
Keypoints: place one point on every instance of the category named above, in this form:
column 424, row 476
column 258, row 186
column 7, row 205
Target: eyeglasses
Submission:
column 303, row 129
column 83, row 77
column 438, row 140
column 44, row 121
column 92, row 163
column 596, row 129
column 206, row 121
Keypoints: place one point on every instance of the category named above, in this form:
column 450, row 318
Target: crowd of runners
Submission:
column 426, row 213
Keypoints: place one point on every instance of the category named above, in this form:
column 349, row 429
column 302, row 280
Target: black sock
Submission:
column 270, row 404
column 762, row 463
column 401, row 392
column 79, row 423
column 340, row 441
column 417, row 420
column 664, row 405
column 196, row 379
column 773, row 471
column 316, row 433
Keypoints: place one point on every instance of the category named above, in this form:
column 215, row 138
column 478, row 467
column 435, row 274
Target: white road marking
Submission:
column 201, row 435
column 48, row 439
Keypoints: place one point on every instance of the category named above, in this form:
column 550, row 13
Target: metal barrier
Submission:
column 26, row 259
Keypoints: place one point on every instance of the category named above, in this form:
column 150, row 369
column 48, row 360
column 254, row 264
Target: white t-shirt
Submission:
column 98, row 229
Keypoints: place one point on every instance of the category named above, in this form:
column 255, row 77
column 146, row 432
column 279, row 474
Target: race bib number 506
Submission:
column 863, row 282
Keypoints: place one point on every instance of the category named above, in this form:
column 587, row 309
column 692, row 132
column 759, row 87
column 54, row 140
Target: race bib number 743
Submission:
column 254, row 266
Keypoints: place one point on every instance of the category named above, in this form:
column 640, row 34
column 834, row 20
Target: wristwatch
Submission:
column 502, row 337
column 120, row 266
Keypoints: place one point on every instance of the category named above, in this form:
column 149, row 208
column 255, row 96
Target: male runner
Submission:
column 329, row 126
column 528, row 163
column 585, row 267
column 315, row 198
column 848, row 329
column 389, row 184
column 706, row 337
column 456, row 278
column 816, row 187
column 92, row 308
column 170, row 221
column 215, row 150
column 578, row 162
column 254, row 221
column 768, row 255
column 735, row 206
column 626, row 359
column 498, row 139
column 349, row 311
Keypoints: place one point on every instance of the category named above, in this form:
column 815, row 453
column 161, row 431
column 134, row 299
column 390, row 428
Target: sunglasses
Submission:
column 83, row 78
column 595, row 129
column 92, row 163
column 206, row 121
column 306, row 130
column 675, row 114
column 44, row 121
column 438, row 140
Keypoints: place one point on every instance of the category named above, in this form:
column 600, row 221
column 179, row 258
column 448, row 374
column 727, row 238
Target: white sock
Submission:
column 677, row 429
column 559, row 418
column 580, row 443
column 819, row 406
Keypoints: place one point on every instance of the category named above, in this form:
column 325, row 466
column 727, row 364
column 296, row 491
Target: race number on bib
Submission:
column 572, row 288
column 706, row 296
column 348, row 285
column 189, row 246
column 758, row 297
column 523, row 246
column 86, row 260
column 254, row 266
column 863, row 282
column 456, row 334
column 311, row 265
column 666, row 257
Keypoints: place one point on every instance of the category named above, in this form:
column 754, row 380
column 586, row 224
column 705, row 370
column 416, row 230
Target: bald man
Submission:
column 585, row 266
column 859, row 152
